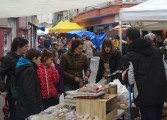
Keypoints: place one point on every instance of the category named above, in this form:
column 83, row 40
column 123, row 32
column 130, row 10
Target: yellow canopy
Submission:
column 65, row 26
column 70, row 26
column 59, row 24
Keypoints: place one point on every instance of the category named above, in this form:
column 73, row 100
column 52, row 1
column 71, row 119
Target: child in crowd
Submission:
column 29, row 101
column 60, row 85
column 49, row 78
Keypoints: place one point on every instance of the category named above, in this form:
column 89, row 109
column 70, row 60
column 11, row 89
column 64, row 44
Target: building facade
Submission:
column 104, row 17
column 14, row 27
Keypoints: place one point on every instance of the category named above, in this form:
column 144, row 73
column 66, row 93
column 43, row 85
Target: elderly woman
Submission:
column 73, row 63
column 152, row 37
column 109, row 60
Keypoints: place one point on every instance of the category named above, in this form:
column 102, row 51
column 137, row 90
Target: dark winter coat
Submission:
column 149, row 72
column 7, row 68
column 29, row 101
column 72, row 66
column 113, row 63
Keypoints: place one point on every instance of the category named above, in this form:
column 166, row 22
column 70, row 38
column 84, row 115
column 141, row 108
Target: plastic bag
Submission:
column 122, row 92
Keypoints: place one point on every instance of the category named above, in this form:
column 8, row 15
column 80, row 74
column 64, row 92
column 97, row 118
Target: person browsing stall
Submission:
column 49, row 78
column 109, row 61
column 73, row 63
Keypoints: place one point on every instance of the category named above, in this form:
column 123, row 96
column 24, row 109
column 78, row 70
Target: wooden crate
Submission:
column 105, row 108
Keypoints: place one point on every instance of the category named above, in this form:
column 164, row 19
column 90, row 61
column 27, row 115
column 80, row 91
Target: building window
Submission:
column 60, row 17
column 6, row 42
column 24, row 35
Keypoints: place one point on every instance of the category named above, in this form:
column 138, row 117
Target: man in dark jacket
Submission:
column 7, row 72
column 147, row 75
column 29, row 100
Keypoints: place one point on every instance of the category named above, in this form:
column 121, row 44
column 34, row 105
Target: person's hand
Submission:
column 77, row 79
column 81, row 83
column 3, row 94
column 85, row 78
column 53, row 66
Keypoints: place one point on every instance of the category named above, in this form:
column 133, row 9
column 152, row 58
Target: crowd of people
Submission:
column 32, row 80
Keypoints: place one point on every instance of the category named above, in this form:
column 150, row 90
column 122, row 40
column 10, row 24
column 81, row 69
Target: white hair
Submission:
column 150, row 36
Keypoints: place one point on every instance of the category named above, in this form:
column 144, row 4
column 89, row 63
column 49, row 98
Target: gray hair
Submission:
column 150, row 36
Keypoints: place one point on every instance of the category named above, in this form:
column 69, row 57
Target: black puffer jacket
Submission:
column 8, row 67
column 29, row 100
column 149, row 72
column 114, row 64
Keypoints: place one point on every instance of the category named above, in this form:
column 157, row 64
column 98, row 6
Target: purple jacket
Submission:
column 60, row 85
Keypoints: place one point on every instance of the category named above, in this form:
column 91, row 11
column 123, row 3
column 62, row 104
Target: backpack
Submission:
column 9, row 63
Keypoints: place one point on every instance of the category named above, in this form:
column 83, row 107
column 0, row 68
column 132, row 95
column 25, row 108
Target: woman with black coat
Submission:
column 109, row 61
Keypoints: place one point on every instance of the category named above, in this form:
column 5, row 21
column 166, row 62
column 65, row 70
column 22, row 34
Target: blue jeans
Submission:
column 153, row 112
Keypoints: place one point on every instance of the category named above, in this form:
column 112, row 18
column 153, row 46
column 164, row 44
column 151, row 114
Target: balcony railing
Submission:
column 108, row 4
column 77, row 12
column 100, row 6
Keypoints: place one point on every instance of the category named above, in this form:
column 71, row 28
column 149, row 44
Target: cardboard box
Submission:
column 105, row 108
column 112, row 90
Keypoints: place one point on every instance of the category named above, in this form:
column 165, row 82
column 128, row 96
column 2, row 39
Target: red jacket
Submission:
column 48, row 79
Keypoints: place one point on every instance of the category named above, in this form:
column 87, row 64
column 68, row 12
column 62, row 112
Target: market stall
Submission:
column 97, row 40
column 90, row 102
column 149, row 15
column 54, row 29
column 69, row 26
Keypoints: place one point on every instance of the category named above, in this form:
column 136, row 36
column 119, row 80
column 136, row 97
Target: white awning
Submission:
column 149, row 15
column 20, row 8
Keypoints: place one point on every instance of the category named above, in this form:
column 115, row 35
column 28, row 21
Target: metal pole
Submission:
column 140, row 31
column 130, row 103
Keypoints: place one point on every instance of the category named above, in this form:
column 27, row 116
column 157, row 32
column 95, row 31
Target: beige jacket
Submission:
column 88, row 48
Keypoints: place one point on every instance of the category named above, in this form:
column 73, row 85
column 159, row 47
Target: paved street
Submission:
column 94, row 66
column 1, row 105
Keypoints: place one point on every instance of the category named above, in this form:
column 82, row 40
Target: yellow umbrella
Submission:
column 70, row 26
